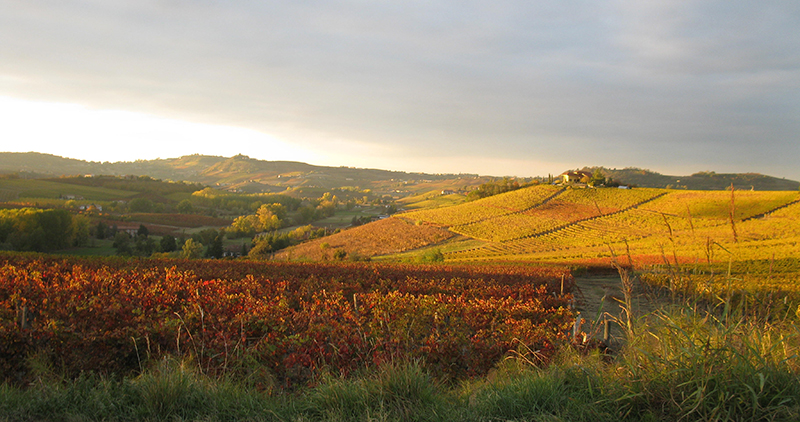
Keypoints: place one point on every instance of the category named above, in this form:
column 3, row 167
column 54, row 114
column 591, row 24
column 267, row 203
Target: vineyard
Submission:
column 586, row 225
column 530, row 212
column 387, row 236
column 114, row 316
column 483, row 209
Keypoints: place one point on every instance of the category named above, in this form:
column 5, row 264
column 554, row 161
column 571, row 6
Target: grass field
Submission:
column 33, row 188
column 343, row 218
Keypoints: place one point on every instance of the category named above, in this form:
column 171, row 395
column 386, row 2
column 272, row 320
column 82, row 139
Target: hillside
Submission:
column 704, row 180
column 387, row 236
column 247, row 175
column 546, row 223
column 238, row 173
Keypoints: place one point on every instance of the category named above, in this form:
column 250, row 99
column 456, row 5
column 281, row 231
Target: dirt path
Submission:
column 595, row 295
column 598, row 295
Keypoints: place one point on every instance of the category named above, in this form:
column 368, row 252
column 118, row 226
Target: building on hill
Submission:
column 574, row 176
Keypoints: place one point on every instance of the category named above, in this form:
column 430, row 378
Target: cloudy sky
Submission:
column 501, row 88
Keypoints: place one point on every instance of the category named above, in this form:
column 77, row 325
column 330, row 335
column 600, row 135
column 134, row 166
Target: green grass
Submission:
column 344, row 218
column 96, row 247
column 32, row 188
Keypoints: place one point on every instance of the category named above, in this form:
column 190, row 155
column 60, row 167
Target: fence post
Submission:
column 576, row 329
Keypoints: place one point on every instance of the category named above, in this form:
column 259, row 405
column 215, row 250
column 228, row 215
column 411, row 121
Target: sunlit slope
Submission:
column 387, row 236
column 429, row 200
column 487, row 208
column 569, row 207
column 686, row 225
column 532, row 211
column 547, row 223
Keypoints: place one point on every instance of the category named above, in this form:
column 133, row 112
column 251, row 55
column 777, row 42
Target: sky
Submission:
column 503, row 88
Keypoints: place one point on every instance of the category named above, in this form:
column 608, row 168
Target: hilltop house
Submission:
column 575, row 176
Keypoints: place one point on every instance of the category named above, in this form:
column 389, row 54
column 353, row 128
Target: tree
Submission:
column 101, row 231
column 493, row 188
column 597, row 178
column 122, row 241
column 80, row 230
column 168, row 244
column 215, row 248
column 340, row 255
column 144, row 246
column 143, row 232
column 57, row 227
column 305, row 214
column 205, row 236
column 185, row 207
column 268, row 218
column 192, row 249
column 243, row 226
column 140, row 205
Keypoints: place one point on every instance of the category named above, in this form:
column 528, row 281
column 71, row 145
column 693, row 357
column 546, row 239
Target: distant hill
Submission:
column 240, row 172
column 705, row 180
column 244, row 174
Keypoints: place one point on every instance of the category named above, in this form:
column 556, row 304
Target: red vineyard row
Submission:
column 292, row 319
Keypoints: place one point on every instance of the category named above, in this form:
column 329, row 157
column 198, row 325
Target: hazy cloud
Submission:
column 666, row 85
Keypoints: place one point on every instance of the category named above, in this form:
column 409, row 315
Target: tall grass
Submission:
column 697, row 367
column 681, row 365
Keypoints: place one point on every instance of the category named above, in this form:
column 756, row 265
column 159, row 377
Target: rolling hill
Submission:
column 244, row 174
column 704, row 180
column 239, row 172
column 546, row 223
column 382, row 237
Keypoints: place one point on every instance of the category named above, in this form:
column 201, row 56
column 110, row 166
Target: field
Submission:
column 585, row 225
column 17, row 189
column 387, row 236
column 486, row 208
column 179, row 220
column 432, row 199
column 491, row 333
column 293, row 320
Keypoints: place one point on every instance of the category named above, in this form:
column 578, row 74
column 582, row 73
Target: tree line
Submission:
column 38, row 230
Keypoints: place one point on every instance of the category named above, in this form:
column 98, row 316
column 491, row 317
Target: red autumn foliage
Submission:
column 113, row 315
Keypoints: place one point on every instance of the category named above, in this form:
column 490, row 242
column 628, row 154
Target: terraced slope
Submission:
column 680, row 224
column 486, row 208
column 546, row 223
column 388, row 236
column 562, row 211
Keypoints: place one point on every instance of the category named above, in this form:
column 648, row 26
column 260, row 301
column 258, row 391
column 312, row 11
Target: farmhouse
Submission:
column 133, row 231
column 574, row 176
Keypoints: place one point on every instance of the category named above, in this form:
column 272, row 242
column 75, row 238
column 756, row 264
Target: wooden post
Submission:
column 24, row 318
column 606, row 331
column 576, row 329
